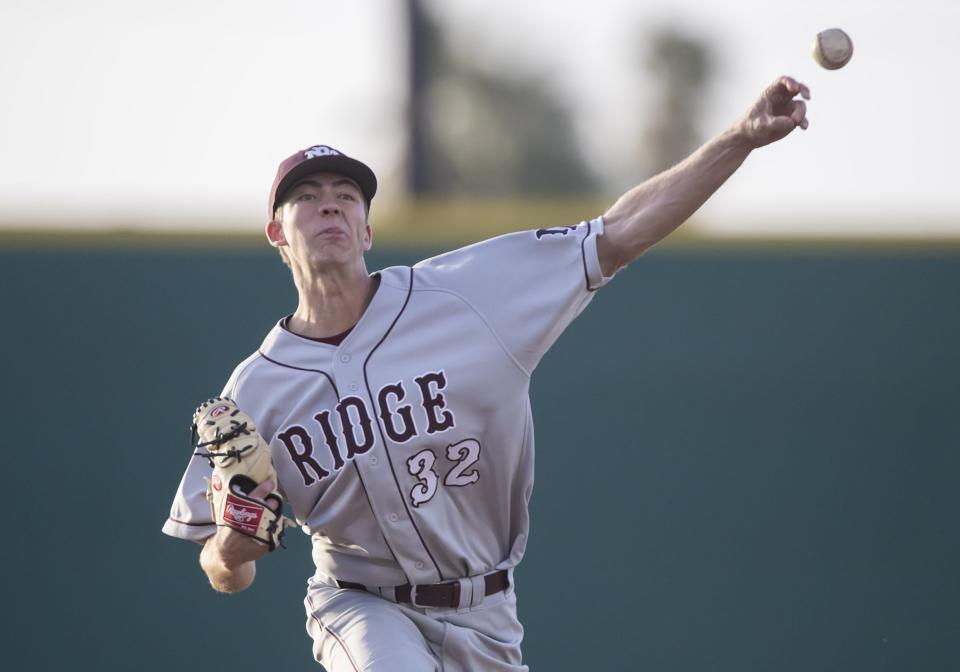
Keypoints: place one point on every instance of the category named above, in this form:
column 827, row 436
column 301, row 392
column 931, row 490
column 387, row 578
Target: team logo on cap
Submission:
column 320, row 150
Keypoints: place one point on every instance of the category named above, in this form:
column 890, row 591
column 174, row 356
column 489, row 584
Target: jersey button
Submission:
column 354, row 387
column 373, row 461
column 344, row 358
column 394, row 517
column 418, row 564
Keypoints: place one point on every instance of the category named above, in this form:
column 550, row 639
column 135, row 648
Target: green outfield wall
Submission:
column 746, row 460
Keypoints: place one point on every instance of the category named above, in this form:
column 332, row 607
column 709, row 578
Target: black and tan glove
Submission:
column 228, row 439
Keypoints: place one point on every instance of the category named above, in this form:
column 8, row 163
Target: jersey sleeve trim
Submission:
column 184, row 522
column 592, row 270
column 190, row 531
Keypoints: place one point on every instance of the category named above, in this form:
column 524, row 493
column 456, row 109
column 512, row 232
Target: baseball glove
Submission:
column 240, row 458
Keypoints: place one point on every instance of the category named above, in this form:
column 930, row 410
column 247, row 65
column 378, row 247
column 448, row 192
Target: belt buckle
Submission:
column 413, row 596
column 455, row 587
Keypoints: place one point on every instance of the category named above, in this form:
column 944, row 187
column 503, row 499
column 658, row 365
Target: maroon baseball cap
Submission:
column 320, row 159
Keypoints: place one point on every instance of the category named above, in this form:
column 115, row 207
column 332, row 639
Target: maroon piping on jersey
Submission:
column 583, row 255
column 183, row 522
column 298, row 368
column 383, row 439
column 337, row 393
column 336, row 339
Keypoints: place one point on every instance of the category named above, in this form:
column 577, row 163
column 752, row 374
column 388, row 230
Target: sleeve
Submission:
column 190, row 516
column 528, row 286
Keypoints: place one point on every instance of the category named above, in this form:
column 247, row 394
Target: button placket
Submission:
column 388, row 503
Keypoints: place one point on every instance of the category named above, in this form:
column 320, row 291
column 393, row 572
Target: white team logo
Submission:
column 320, row 150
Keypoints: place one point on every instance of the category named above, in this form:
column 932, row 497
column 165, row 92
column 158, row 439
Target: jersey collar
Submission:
column 287, row 348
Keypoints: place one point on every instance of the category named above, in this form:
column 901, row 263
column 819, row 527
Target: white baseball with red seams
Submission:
column 832, row 48
column 407, row 452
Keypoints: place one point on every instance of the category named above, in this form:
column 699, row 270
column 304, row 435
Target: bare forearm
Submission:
column 649, row 212
column 652, row 210
column 223, row 576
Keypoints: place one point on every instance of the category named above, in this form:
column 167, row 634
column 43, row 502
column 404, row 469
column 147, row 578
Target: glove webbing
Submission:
column 219, row 439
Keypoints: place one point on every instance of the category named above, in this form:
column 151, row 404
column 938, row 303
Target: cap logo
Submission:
column 320, row 150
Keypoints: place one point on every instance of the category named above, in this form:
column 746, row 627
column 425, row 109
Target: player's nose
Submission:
column 330, row 208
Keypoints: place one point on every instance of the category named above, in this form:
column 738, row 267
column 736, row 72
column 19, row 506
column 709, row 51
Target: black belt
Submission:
column 439, row 594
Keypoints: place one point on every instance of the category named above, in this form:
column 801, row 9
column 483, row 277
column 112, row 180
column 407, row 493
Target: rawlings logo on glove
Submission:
column 240, row 458
column 242, row 516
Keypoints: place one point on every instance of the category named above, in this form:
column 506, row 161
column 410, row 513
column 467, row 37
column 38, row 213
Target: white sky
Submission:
column 179, row 110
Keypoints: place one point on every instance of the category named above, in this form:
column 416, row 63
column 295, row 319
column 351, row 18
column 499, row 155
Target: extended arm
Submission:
column 650, row 211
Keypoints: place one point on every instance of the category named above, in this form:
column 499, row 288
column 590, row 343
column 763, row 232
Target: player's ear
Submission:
column 275, row 233
column 367, row 237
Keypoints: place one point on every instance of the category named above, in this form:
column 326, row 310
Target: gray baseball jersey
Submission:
column 406, row 452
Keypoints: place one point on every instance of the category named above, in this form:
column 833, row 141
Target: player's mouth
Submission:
column 332, row 232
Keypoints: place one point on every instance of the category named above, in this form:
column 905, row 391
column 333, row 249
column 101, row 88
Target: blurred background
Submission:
column 772, row 412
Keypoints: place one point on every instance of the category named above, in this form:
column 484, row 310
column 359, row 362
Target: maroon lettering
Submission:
column 305, row 458
column 350, row 427
column 330, row 437
column 405, row 413
column 561, row 231
column 435, row 402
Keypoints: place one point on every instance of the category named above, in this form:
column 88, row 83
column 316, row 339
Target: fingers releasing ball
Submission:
column 832, row 49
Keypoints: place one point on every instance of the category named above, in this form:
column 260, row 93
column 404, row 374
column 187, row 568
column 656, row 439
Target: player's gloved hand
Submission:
column 235, row 548
column 242, row 467
column 776, row 113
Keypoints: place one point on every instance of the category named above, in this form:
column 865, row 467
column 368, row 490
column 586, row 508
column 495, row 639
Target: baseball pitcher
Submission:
column 391, row 412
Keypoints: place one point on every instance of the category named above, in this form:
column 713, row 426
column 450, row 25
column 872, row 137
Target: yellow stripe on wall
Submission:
column 437, row 224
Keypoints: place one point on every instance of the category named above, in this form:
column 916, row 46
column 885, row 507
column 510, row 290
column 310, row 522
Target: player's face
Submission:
column 324, row 221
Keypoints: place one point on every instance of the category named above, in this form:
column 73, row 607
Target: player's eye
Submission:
column 305, row 197
column 347, row 195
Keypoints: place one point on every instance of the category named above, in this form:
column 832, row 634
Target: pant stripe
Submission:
column 313, row 614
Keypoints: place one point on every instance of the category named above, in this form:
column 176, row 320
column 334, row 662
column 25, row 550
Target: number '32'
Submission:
column 464, row 454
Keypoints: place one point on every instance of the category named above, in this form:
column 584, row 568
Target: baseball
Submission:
column 832, row 49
